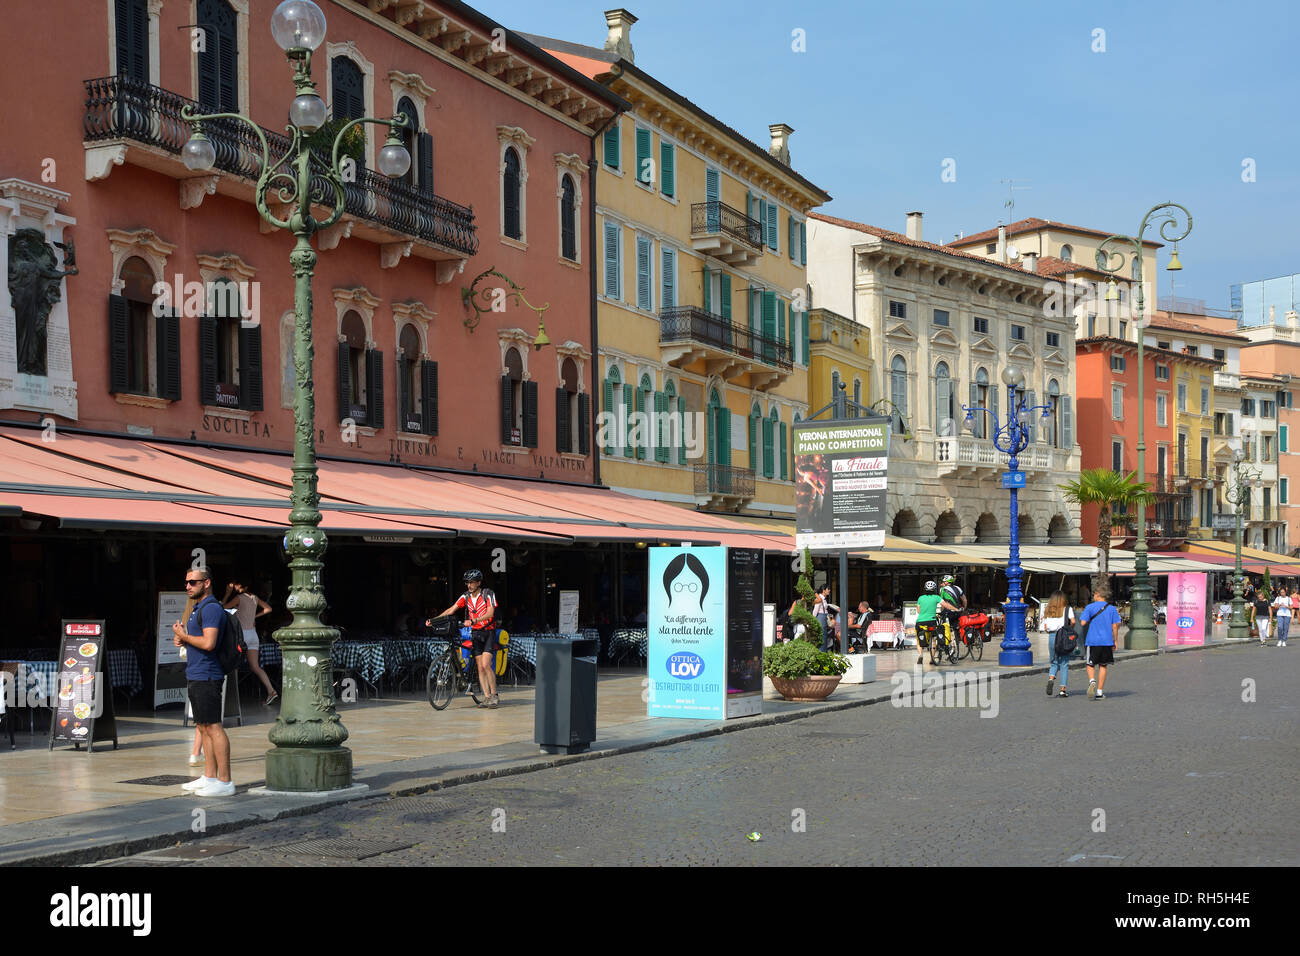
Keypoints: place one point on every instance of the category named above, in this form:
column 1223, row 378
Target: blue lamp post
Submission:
column 1011, row 439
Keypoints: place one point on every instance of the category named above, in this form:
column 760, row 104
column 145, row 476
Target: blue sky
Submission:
column 1182, row 95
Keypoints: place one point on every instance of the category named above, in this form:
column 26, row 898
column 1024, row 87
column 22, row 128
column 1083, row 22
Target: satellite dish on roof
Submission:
column 1013, row 252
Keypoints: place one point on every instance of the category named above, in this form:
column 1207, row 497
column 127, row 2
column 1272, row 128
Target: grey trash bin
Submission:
column 565, row 716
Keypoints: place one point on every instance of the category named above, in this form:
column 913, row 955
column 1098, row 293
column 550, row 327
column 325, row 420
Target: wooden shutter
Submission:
column 250, row 367
column 769, row 323
column 785, row 454
column 167, row 339
column 724, row 287
column 643, row 250
column 345, row 382
column 424, row 156
column 807, row 336
column 803, row 243
column 668, row 280
column 681, row 414
column 667, row 175
column 762, row 221
column 561, row 420
column 993, row 402
column 767, row 448
column 375, row 388
column 209, row 88
column 640, row 407
column 942, row 403
column 629, row 406
column 780, row 321
column 1067, row 421
column 507, row 409
column 771, row 226
column 429, row 397
column 644, row 172
column 753, row 442
column 228, row 56
column 663, row 430
column 712, row 186
column 611, row 145
column 584, row 423
column 790, row 227
column 611, row 260
column 611, row 412
column 119, row 321
column 530, row 414
column 132, row 22
column 708, row 292
column 207, row 360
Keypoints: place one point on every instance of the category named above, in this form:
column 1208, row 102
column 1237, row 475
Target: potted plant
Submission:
column 799, row 669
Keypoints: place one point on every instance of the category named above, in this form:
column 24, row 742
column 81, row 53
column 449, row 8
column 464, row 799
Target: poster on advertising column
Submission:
column 686, row 653
column 840, row 472
column 1185, row 616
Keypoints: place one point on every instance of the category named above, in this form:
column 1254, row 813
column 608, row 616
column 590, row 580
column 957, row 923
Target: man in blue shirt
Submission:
column 1102, row 619
column 200, row 635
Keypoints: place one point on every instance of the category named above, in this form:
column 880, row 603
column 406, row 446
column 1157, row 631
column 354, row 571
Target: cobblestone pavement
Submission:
column 1172, row 768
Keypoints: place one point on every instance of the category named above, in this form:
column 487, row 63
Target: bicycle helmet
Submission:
column 474, row 575
column 949, row 579
column 931, row 587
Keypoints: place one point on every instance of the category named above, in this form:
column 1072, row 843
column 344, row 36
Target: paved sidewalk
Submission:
column 67, row 807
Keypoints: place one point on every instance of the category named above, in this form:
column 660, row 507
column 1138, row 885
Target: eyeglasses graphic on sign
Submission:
column 680, row 586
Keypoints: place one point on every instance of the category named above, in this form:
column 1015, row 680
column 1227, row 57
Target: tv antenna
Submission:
column 1012, row 186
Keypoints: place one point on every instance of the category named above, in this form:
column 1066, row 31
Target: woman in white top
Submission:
column 1056, row 614
column 248, row 608
column 1282, row 606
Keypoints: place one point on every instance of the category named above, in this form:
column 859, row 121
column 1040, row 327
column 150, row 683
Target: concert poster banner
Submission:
column 840, row 478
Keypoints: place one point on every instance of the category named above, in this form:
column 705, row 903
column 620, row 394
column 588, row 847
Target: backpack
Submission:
column 1067, row 637
column 230, row 645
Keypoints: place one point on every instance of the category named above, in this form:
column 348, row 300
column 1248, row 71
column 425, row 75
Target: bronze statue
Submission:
column 34, row 278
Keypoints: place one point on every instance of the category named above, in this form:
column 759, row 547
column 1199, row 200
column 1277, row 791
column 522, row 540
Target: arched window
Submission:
column 224, row 310
column 408, row 379
column 774, row 445
column 134, row 374
column 612, row 443
column 218, row 60
column 944, row 426
column 512, row 399
column 567, row 421
column 719, row 424
column 410, row 137
column 898, row 392
column 348, row 88
column 1054, row 435
column 354, row 340
column 510, row 194
column 568, row 220
column 1067, row 253
column 980, row 399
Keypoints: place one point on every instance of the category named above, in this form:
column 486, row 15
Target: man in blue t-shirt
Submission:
column 1102, row 619
column 200, row 635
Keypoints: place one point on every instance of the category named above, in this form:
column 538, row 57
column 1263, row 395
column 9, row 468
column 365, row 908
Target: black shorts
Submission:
column 1099, row 655
column 205, row 701
column 484, row 641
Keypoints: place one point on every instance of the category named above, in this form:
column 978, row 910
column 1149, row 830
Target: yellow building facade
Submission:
column 840, row 354
column 703, row 327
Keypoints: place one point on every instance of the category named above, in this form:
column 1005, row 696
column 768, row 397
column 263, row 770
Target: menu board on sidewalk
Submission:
column 568, row 612
column 169, row 665
column 83, row 706
column 744, row 632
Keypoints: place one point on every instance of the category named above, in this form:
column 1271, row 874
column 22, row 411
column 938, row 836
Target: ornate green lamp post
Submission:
column 1142, row 619
column 308, row 735
column 1243, row 478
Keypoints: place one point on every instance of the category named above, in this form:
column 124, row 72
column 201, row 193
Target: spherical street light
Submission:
column 1013, row 377
column 298, row 25
column 198, row 154
column 307, row 112
column 394, row 158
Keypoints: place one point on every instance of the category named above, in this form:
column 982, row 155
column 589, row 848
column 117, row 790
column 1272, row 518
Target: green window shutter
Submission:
column 753, row 442
column 785, row 453
column 644, row 165
column 662, row 431
column 629, row 404
column 611, row 260
column 726, row 435
column 707, row 296
column 762, row 221
column 667, row 159
column 791, row 225
column 681, row 414
column 807, row 344
column 803, row 243
column 640, row 407
column 668, row 280
column 771, row 227
column 1281, row 439
column 769, row 323
column 780, row 321
column 611, row 413
column 611, row 146
column 767, row 448
column 724, row 286
column 644, row 249
column 749, row 204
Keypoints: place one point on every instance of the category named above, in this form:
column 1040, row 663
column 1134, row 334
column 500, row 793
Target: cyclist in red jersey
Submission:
column 480, row 606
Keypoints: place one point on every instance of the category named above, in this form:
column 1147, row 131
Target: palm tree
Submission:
column 1101, row 486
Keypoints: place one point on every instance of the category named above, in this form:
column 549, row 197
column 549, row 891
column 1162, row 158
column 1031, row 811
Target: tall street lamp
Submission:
column 1243, row 478
column 308, row 735
column 1142, row 620
column 1011, row 439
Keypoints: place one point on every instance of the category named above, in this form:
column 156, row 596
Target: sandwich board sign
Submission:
column 83, row 705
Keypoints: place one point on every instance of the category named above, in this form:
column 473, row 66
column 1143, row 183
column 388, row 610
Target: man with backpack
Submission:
column 1101, row 633
column 201, row 635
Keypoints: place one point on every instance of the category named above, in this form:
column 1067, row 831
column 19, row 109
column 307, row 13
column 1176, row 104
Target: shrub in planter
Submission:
column 795, row 659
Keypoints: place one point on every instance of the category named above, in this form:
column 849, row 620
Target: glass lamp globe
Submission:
column 197, row 154
column 298, row 25
column 1013, row 376
column 307, row 112
column 394, row 159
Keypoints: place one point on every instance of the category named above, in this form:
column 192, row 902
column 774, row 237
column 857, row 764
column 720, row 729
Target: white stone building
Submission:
column 943, row 326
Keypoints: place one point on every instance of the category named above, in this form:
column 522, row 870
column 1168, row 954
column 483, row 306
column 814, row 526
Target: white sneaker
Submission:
column 197, row 784
column 216, row 788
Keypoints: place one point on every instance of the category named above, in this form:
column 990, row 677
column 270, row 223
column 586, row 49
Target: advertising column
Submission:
column 1185, row 618
column 687, row 633
column 744, row 632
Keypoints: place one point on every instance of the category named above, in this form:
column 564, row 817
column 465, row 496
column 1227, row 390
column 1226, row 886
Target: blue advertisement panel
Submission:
column 687, row 632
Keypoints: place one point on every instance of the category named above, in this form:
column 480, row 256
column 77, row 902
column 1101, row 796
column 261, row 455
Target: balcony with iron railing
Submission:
column 127, row 120
column 725, row 233
column 723, row 484
column 688, row 334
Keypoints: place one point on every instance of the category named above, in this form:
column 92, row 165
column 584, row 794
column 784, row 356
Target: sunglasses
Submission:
column 189, row 582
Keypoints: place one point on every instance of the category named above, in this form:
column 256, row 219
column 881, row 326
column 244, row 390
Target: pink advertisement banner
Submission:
column 1185, row 615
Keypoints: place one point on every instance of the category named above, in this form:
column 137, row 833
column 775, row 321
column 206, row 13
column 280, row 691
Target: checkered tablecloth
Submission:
column 124, row 670
column 364, row 657
column 269, row 654
column 398, row 652
column 523, row 647
column 629, row 642
column 33, row 677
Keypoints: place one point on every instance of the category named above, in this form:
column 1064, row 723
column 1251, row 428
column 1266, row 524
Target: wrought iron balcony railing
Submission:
column 708, row 218
column 724, row 480
column 692, row 323
column 118, row 107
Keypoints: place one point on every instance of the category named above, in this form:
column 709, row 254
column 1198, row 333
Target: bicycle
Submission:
column 934, row 638
column 972, row 631
column 449, row 675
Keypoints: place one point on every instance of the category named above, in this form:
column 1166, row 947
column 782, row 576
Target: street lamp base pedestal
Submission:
column 311, row 769
column 1023, row 658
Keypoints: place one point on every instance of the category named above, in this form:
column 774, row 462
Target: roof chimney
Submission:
column 1002, row 243
column 914, row 225
column 1031, row 262
column 619, row 40
column 780, row 147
